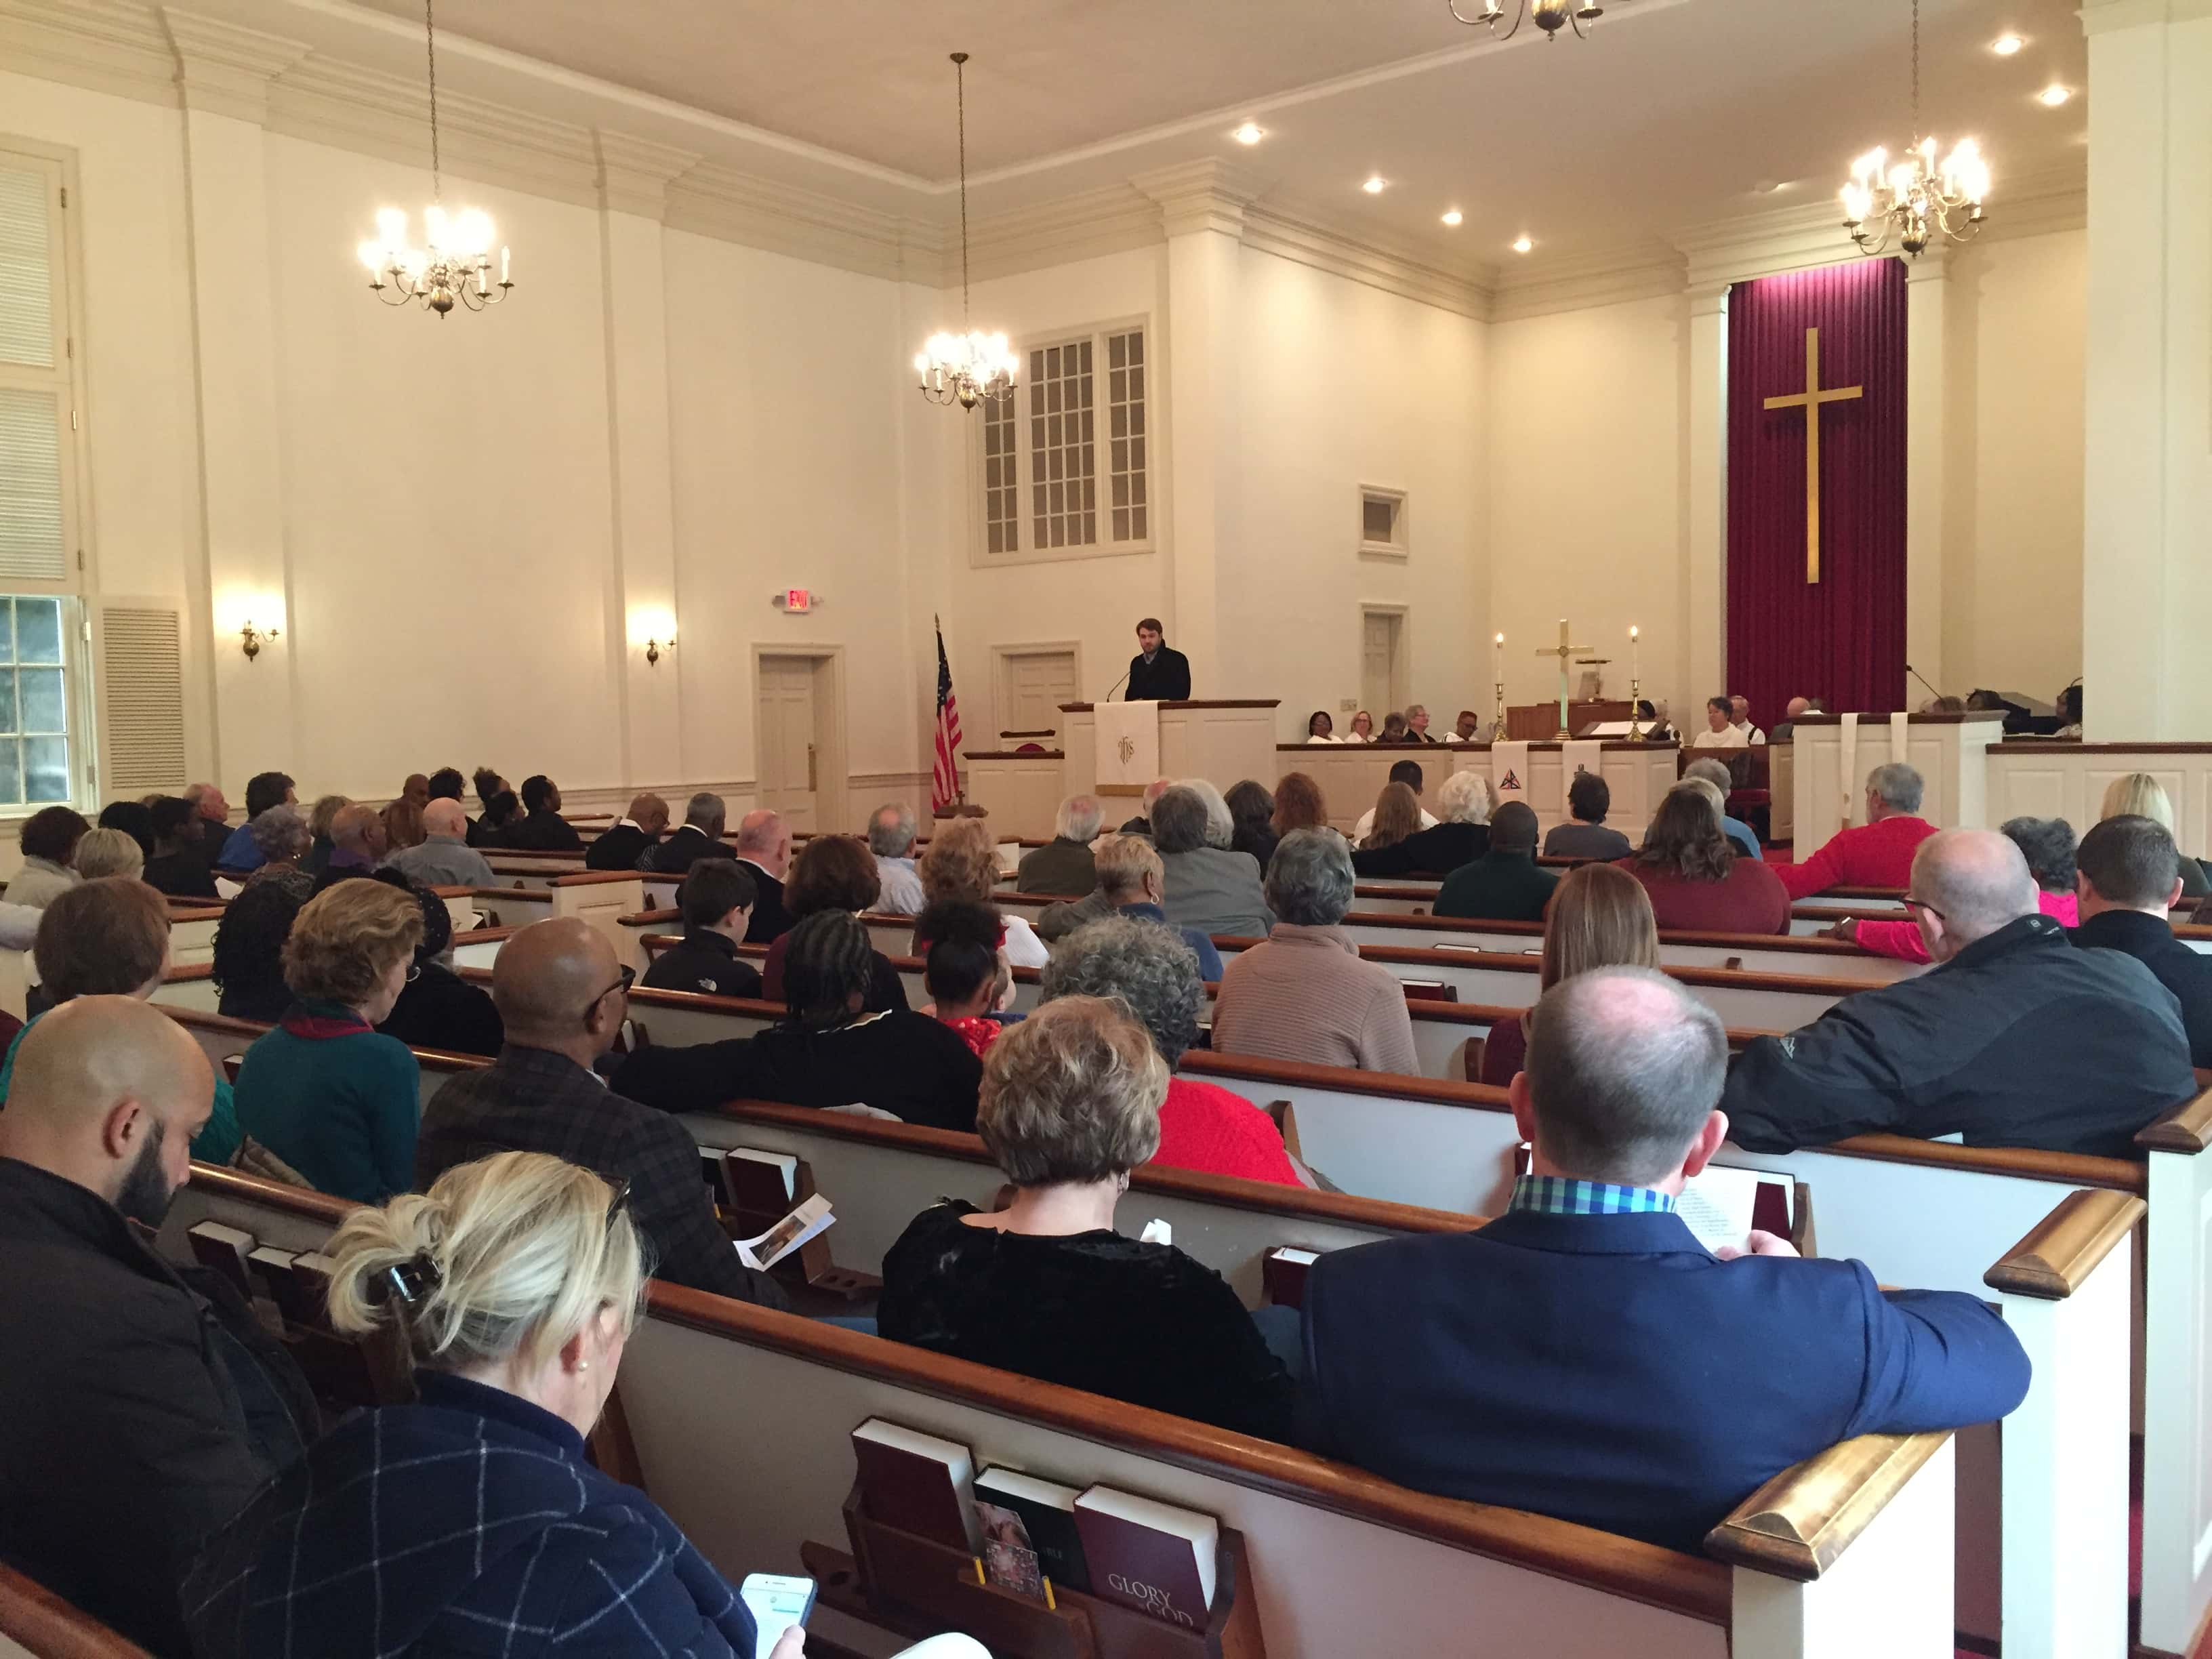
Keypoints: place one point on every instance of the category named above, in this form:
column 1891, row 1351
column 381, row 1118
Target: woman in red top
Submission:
column 1599, row 917
column 1694, row 878
column 2047, row 844
column 1151, row 971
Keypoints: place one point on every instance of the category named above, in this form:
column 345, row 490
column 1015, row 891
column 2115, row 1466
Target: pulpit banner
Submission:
column 1508, row 771
column 1128, row 747
column 1579, row 756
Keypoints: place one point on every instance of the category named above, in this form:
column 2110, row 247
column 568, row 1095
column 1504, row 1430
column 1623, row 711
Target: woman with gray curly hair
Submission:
column 1046, row 1287
column 280, row 834
column 1149, row 970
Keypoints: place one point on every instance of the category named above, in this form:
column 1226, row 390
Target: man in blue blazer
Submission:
column 1583, row 1355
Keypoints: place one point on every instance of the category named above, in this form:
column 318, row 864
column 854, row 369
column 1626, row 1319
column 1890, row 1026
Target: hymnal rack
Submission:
column 915, row 1587
column 751, row 1200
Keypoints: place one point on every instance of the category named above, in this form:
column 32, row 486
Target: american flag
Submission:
column 945, row 781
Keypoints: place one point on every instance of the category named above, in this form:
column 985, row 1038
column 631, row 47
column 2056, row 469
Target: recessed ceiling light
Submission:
column 2053, row 95
column 1453, row 216
column 1249, row 133
column 1376, row 185
column 2005, row 45
column 1522, row 246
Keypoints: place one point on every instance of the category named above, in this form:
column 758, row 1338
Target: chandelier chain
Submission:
column 1916, row 69
column 960, row 83
column 430, row 49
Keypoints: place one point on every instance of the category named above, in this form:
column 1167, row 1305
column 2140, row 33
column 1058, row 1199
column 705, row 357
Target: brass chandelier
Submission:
column 970, row 365
column 454, row 265
column 1549, row 15
column 1913, row 200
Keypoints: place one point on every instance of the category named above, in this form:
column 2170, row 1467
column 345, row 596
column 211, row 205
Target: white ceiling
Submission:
column 1675, row 113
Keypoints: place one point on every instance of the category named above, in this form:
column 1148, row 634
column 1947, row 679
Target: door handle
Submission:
column 810, row 783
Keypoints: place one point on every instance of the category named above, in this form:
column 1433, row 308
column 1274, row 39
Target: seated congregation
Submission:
column 174, row 1477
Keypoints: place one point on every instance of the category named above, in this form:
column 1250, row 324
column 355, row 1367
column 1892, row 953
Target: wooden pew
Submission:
column 1850, row 1553
column 37, row 1624
column 597, row 896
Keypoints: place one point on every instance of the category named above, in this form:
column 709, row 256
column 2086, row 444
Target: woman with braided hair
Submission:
column 828, row 1051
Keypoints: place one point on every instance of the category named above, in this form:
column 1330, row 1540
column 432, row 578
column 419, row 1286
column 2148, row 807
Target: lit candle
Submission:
column 503, row 267
column 1632, row 673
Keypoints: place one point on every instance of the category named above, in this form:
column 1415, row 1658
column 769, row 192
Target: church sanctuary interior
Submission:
column 1118, row 830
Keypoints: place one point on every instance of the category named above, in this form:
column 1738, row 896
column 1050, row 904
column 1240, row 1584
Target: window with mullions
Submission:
column 34, row 725
column 1061, row 465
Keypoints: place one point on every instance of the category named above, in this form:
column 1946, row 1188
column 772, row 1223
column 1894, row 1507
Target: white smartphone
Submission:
column 777, row 1604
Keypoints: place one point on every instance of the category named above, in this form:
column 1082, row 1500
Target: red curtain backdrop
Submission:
column 1843, row 639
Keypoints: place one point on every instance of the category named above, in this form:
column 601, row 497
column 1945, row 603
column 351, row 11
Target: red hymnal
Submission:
column 1150, row 1556
column 918, row 1484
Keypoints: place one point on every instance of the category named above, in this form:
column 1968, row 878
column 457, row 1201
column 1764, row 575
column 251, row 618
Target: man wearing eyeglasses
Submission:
column 563, row 998
column 2014, row 1038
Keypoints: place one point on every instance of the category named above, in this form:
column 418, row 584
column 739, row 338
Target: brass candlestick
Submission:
column 1497, row 726
column 1635, row 707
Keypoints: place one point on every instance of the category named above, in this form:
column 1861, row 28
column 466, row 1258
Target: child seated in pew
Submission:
column 1583, row 1355
column 515, row 1283
column 1046, row 1287
column 964, row 970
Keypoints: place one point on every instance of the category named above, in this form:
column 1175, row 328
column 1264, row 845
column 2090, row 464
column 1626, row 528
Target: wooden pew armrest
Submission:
column 2062, row 1251
column 2186, row 1129
column 1799, row 1524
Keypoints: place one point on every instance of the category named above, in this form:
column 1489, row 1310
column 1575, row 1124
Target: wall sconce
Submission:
column 250, row 639
column 652, row 650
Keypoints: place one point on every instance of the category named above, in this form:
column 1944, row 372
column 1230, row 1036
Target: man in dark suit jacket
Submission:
column 764, row 850
column 541, row 828
column 1505, row 884
column 1157, row 670
column 563, row 997
column 626, row 844
column 699, row 836
column 1583, row 1356
column 2126, row 877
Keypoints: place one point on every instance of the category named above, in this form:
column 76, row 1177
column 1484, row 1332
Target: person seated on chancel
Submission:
column 1721, row 730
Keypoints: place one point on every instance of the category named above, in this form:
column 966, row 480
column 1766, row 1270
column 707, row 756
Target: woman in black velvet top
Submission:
column 1046, row 1287
column 829, row 1053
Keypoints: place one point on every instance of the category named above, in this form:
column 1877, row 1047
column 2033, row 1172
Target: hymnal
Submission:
column 788, row 1234
column 225, row 1251
column 778, row 1183
column 1283, row 1275
column 918, row 1483
column 1721, row 1206
column 710, row 1171
column 311, row 1275
column 1150, row 1556
column 1045, row 1511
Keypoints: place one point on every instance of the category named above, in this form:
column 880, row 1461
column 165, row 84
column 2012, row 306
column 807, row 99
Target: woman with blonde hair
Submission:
column 2141, row 795
column 516, row 1283
column 962, row 862
column 109, row 853
column 1397, row 814
column 329, row 1095
column 1362, row 729
column 1600, row 916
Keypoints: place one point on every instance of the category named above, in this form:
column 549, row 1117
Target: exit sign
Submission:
column 798, row 600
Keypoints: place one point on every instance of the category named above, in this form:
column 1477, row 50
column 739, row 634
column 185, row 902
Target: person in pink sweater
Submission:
column 1875, row 854
column 2047, row 844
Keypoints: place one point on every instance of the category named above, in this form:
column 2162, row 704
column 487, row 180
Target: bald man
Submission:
column 632, row 836
column 444, row 859
column 141, row 1404
column 358, row 838
column 764, row 848
column 562, row 997
column 2014, row 1038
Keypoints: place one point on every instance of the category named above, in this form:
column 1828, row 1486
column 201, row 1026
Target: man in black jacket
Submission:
column 2013, row 1039
column 541, row 828
column 717, row 903
column 141, row 1412
column 699, row 836
column 1157, row 670
column 764, row 849
column 563, row 997
column 625, row 845
column 2126, row 875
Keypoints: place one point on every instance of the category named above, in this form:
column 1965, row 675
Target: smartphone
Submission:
column 777, row 1604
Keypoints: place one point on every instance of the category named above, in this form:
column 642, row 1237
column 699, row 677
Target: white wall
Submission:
column 1586, row 497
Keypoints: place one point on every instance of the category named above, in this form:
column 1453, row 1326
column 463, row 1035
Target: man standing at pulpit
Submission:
column 1157, row 670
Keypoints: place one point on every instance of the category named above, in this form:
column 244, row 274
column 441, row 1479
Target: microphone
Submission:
column 1117, row 685
column 1922, row 678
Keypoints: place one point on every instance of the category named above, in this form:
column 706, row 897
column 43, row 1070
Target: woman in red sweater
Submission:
column 1149, row 969
column 1598, row 917
column 1695, row 880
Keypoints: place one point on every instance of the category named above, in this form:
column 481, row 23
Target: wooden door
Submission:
column 1380, row 676
column 1036, row 684
column 790, row 741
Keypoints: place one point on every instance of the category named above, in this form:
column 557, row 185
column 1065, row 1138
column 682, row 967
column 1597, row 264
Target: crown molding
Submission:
column 104, row 46
column 1583, row 282
column 1089, row 225
column 1198, row 195
column 2103, row 17
column 226, row 69
column 1288, row 235
column 634, row 173
column 712, row 199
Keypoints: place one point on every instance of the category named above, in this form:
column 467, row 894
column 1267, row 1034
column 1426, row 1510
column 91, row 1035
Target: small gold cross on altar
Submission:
column 1563, row 651
column 1810, row 400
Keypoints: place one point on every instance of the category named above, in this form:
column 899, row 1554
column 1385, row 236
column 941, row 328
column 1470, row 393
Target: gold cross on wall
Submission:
column 1810, row 400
